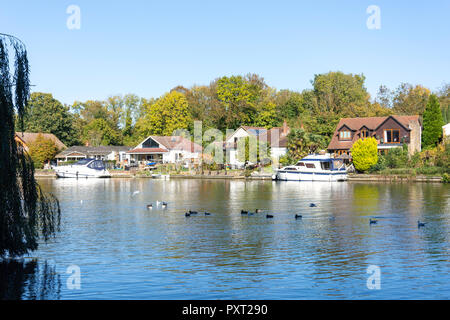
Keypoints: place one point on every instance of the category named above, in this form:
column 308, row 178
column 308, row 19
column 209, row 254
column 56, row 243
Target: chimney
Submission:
column 285, row 129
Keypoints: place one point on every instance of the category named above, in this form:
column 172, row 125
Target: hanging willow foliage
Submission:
column 26, row 212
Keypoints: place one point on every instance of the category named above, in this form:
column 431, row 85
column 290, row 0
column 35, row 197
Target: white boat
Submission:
column 314, row 168
column 85, row 168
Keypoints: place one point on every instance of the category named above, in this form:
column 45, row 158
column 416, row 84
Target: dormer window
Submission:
column 364, row 133
column 345, row 135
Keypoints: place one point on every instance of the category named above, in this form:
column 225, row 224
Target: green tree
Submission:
column 432, row 123
column 410, row 100
column 267, row 116
column 336, row 95
column 289, row 105
column 301, row 143
column 237, row 102
column 365, row 154
column 42, row 150
column 47, row 115
column 26, row 212
column 167, row 114
column 99, row 132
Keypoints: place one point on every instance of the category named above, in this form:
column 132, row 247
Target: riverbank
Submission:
column 236, row 175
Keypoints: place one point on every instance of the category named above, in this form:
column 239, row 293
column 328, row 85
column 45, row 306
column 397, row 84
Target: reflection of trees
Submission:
column 28, row 280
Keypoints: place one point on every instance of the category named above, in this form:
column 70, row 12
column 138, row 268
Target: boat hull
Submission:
column 310, row 176
column 82, row 174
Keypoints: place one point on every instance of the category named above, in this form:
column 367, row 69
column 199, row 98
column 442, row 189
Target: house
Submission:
column 106, row 153
column 390, row 132
column 165, row 149
column 446, row 131
column 276, row 139
column 27, row 138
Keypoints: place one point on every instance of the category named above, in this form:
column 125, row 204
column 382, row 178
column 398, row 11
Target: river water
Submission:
column 124, row 251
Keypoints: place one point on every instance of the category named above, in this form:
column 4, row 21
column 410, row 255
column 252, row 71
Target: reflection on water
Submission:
column 125, row 251
column 22, row 279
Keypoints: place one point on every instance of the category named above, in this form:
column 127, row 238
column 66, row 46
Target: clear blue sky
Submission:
column 149, row 47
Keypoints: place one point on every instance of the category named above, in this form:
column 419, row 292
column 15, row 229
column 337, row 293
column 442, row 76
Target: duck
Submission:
column 150, row 206
column 207, row 213
column 298, row 216
column 244, row 212
column 164, row 205
column 420, row 224
column 269, row 216
column 372, row 221
column 187, row 214
column 312, row 205
column 192, row 212
column 258, row 211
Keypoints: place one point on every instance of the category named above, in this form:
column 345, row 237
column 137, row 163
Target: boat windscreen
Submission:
column 83, row 162
column 97, row 165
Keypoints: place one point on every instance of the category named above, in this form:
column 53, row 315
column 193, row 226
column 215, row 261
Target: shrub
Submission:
column 285, row 160
column 365, row 154
column 380, row 165
column 397, row 158
column 443, row 155
column 414, row 160
column 446, row 178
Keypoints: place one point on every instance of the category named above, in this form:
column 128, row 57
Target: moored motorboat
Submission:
column 314, row 168
column 85, row 168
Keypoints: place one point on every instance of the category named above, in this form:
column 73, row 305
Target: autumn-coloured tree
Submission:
column 42, row 150
column 167, row 114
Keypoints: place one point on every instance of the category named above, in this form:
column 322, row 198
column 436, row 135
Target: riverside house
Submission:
column 106, row 153
column 27, row 138
column 165, row 149
column 390, row 132
column 276, row 139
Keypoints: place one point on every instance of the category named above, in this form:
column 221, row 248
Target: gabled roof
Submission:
column 371, row 123
column 91, row 151
column 278, row 134
column 175, row 143
column 29, row 137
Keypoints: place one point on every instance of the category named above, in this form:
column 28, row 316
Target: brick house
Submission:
column 390, row 132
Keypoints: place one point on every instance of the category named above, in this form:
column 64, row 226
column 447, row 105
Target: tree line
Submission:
column 226, row 103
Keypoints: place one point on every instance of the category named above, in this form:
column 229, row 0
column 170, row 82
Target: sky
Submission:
column 149, row 47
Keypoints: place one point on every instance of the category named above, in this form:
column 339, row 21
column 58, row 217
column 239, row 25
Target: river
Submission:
column 124, row 251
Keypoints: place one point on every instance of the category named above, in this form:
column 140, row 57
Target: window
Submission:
column 310, row 165
column 325, row 165
column 345, row 135
column 391, row 136
column 364, row 133
column 150, row 143
column 341, row 152
column 300, row 164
